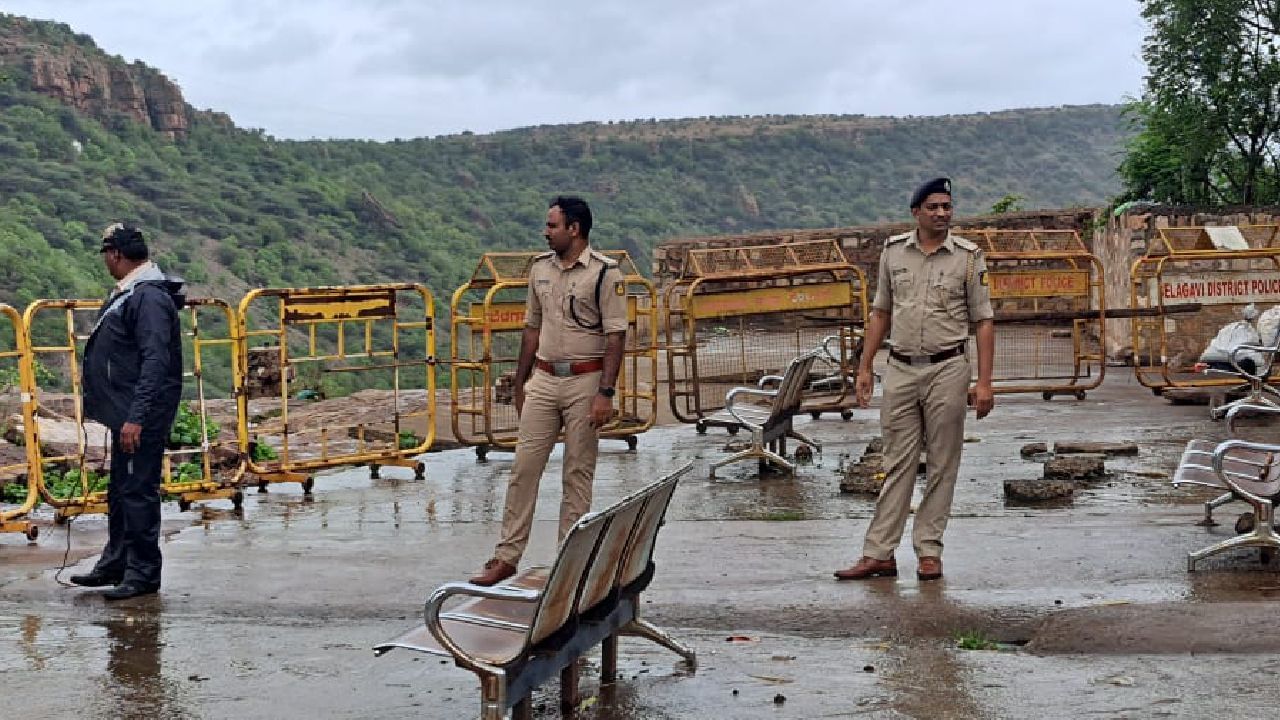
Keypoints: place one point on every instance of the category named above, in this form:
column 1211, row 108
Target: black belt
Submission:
column 927, row 359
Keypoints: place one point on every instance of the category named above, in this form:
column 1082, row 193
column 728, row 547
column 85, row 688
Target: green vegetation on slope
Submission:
column 232, row 209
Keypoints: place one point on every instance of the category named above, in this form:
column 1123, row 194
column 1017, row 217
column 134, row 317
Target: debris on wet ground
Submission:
column 866, row 476
column 1033, row 449
column 1079, row 468
column 1033, row 490
column 1076, row 447
column 741, row 639
column 772, row 679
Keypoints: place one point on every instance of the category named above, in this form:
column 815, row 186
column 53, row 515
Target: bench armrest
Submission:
column 1245, row 407
column 732, row 396
column 1264, row 368
column 825, row 347
column 1219, row 458
column 766, row 379
column 431, row 615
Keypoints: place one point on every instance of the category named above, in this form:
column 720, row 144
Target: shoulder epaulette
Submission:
column 966, row 244
column 897, row 238
column 608, row 261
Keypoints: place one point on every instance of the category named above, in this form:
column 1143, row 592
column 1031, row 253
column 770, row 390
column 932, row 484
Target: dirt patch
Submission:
column 1160, row 629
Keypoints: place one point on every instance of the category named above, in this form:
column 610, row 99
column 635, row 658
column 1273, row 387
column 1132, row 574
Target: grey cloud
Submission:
column 400, row 68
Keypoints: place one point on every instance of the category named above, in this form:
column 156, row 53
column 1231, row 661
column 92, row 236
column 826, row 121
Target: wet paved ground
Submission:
column 271, row 614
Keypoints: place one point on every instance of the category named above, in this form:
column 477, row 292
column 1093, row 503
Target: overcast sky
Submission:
column 384, row 69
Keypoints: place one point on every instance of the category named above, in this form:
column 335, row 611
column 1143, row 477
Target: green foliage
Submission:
column 1007, row 204
column 263, row 452
column 231, row 209
column 187, row 472
column 66, row 483
column 1209, row 117
column 407, row 439
column 13, row 493
column 975, row 640
column 10, row 377
column 186, row 428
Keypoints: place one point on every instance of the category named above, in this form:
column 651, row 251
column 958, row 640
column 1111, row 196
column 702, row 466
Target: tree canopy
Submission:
column 1210, row 111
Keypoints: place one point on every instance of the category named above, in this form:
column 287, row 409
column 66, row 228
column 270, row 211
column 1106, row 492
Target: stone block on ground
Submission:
column 1039, row 489
column 865, row 477
column 1031, row 449
column 1075, row 467
column 1093, row 448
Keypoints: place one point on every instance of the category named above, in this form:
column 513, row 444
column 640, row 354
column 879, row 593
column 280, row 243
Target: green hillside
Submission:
column 234, row 208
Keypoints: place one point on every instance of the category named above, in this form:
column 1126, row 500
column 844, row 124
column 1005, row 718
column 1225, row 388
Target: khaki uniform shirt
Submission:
column 562, row 305
column 931, row 299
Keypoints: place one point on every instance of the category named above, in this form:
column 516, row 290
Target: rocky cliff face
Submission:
column 56, row 62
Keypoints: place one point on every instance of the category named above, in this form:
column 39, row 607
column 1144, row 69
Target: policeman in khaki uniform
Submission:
column 932, row 286
column 570, row 354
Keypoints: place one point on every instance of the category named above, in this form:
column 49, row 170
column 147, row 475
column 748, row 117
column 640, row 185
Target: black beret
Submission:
column 122, row 237
column 936, row 185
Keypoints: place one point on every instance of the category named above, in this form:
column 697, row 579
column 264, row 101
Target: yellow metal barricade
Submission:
column 737, row 314
column 487, row 321
column 1050, row 304
column 1197, row 280
column 373, row 345
column 204, row 460
column 71, row 461
column 21, row 485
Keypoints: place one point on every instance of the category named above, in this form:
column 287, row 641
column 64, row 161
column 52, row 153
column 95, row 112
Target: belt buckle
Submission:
column 562, row 368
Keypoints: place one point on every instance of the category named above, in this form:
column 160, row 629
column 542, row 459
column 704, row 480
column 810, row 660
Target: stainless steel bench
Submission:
column 769, row 423
column 1259, row 392
column 520, row 634
column 1250, row 472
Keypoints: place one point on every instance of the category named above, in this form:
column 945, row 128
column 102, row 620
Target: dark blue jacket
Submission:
column 133, row 360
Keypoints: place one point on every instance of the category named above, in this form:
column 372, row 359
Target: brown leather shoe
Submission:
column 930, row 568
column 495, row 571
column 869, row 567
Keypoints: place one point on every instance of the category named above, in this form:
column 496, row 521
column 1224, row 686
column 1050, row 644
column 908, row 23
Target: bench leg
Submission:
column 806, row 440
column 1211, row 505
column 740, row 455
column 1263, row 536
column 609, row 660
column 772, row 457
column 493, row 697
column 641, row 628
column 523, row 710
column 569, row 695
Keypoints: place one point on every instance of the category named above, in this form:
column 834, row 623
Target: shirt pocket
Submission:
column 904, row 288
column 580, row 311
column 948, row 294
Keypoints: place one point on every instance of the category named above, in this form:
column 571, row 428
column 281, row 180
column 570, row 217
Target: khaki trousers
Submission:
column 923, row 407
column 550, row 403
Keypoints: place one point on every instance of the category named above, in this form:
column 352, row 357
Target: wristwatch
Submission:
column 606, row 391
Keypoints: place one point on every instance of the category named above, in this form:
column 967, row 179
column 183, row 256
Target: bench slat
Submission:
column 493, row 645
column 1244, row 466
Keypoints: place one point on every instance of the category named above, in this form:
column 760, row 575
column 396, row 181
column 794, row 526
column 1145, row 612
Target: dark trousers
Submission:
column 133, row 521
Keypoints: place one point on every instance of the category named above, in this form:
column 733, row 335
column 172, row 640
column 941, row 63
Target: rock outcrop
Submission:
column 52, row 60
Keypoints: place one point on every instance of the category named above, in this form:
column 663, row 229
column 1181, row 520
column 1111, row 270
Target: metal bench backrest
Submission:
column 560, row 593
column 640, row 552
column 614, row 545
column 791, row 390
